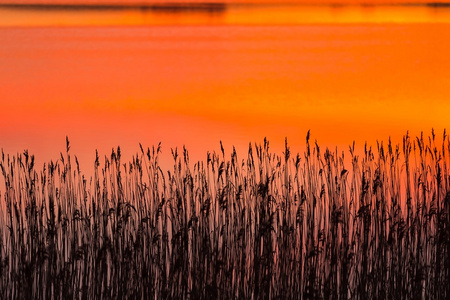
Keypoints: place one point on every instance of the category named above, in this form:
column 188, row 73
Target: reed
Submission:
column 320, row 225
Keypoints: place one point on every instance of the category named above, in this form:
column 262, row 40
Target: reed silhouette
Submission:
column 268, row 226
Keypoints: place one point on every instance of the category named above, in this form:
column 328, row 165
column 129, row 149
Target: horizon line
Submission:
column 210, row 6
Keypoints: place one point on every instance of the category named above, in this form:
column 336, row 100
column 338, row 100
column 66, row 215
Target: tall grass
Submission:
column 265, row 226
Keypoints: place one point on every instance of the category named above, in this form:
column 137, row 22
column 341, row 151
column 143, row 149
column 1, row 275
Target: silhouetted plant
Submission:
column 313, row 226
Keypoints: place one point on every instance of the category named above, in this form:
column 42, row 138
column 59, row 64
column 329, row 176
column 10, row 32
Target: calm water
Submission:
column 108, row 78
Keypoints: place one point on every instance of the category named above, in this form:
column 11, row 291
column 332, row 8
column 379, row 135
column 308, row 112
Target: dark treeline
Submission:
column 311, row 226
column 174, row 7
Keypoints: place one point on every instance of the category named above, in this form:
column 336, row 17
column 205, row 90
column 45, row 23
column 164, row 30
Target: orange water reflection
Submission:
column 196, row 85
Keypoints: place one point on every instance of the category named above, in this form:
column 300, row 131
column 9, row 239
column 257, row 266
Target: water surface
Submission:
column 123, row 76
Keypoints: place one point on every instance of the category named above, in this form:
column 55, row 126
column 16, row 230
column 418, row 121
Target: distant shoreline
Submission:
column 163, row 7
column 210, row 6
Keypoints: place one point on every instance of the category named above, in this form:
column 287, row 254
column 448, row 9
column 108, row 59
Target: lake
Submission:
column 237, row 73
